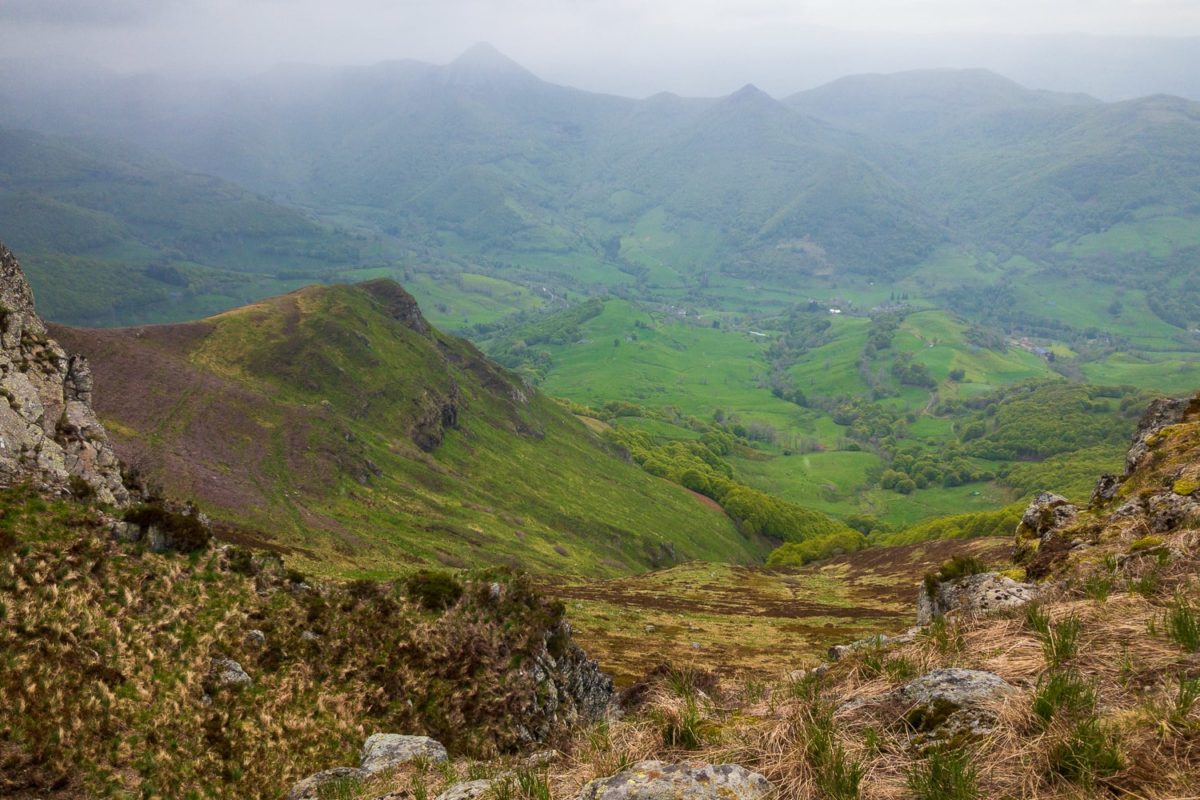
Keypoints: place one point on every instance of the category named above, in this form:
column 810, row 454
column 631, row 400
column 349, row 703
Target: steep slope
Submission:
column 49, row 435
column 126, row 672
column 154, row 240
column 336, row 422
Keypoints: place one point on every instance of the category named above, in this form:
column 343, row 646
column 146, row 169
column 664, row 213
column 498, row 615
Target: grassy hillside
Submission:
column 335, row 425
column 110, row 234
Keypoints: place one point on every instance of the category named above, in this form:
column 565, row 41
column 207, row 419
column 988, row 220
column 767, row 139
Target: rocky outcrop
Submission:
column 49, row 434
column 656, row 780
column 973, row 594
column 397, row 304
column 839, row 651
column 380, row 753
column 1160, row 414
column 1044, row 515
column 569, row 687
column 384, row 751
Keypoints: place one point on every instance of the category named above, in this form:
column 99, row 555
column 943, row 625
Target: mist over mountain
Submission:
column 480, row 162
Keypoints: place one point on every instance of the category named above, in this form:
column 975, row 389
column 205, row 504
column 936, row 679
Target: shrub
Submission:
column 1089, row 751
column 957, row 567
column 1183, row 625
column 945, row 774
column 1098, row 587
column 80, row 489
column 1062, row 691
column 836, row 775
column 434, row 590
column 182, row 532
column 1061, row 641
column 685, row 730
column 797, row 554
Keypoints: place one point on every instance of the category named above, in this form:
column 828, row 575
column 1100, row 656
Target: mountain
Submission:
column 914, row 103
column 480, row 166
column 335, row 424
column 153, row 239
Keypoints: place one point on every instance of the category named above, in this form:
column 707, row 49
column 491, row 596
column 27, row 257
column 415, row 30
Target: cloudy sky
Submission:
column 623, row 46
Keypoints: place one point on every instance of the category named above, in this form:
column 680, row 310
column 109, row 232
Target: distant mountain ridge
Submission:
column 479, row 163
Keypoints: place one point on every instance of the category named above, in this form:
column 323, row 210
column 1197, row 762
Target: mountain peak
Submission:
column 482, row 62
column 751, row 93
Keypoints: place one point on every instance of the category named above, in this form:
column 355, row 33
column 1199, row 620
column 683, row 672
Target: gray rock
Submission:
column 312, row 787
column 383, row 751
column 656, row 780
column 471, row 790
column 1046, row 512
column 228, row 674
column 1160, row 414
column 1106, row 489
column 973, row 594
column 255, row 637
column 49, row 434
column 951, row 704
column 310, row 636
column 840, row 651
column 1168, row 511
column 566, row 688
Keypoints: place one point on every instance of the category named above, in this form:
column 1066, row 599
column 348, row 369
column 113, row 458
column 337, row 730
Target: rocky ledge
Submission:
column 49, row 434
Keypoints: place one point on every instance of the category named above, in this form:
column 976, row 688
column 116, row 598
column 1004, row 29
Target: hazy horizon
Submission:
column 1114, row 49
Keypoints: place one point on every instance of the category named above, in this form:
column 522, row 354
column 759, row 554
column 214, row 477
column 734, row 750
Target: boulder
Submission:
column 320, row 784
column 226, row 673
column 471, row 790
column 973, row 594
column 656, row 780
column 951, row 704
column 1046, row 512
column 384, row 751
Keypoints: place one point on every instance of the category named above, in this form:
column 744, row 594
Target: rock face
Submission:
column 1045, row 514
column 49, row 434
column 974, row 594
column 655, row 780
column 568, row 688
column 951, row 704
column 384, row 751
column 1160, row 414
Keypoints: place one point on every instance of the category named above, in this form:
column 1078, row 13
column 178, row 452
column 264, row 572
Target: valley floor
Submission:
column 752, row 620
